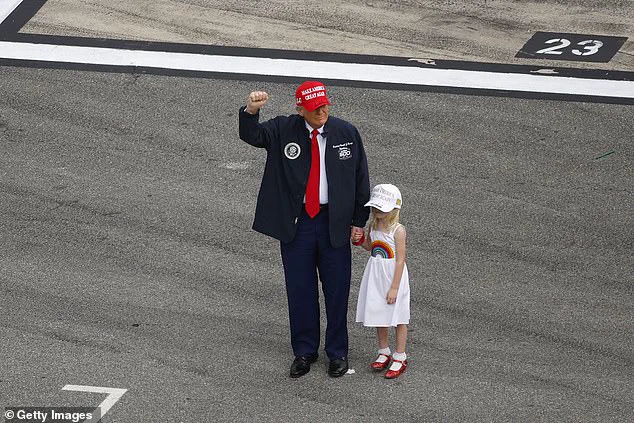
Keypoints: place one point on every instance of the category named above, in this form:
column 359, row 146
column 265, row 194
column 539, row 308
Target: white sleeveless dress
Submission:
column 372, row 307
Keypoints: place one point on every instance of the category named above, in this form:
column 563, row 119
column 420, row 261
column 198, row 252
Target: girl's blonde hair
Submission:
column 391, row 219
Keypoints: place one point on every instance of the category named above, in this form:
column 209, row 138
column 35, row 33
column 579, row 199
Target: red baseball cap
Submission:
column 311, row 95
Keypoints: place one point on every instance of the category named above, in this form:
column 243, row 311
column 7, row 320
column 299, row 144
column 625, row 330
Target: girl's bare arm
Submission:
column 399, row 240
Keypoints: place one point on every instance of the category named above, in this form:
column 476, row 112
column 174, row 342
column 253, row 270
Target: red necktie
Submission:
column 312, row 189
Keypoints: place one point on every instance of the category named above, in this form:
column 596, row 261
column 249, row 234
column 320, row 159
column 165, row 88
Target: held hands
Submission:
column 357, row 235
column 391, row 295
column 255, row 101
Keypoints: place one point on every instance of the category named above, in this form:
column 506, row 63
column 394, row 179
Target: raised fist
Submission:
column 255, row 101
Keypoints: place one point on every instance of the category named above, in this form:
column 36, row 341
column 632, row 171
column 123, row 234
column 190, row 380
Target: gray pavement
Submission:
column 128, row 261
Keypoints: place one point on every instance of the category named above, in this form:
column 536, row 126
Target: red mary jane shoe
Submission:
column 377, row 365
column 393, row 374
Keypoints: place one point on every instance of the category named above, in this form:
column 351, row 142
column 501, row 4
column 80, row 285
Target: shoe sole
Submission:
column 396, row 377
column 379, row 370
column 295, row 376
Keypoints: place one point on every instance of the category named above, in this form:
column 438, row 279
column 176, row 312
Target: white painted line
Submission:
column 6, row 7
column 318, row 70
column 114, row 394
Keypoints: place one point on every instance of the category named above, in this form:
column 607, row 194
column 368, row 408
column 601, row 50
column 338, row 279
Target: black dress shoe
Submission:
column 301, row 365
column 338, row 367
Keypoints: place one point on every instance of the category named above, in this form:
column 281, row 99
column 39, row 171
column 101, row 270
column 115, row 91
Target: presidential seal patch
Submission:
column 292, row 150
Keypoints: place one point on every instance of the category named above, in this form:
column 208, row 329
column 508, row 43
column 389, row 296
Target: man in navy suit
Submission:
column 311, row 199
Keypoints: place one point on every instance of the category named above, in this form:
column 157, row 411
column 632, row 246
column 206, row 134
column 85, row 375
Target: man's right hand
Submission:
column 255, row 101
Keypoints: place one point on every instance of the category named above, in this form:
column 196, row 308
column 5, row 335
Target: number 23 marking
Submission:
column 593, row 48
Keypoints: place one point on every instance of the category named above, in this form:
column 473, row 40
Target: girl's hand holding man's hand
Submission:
column 357, row 235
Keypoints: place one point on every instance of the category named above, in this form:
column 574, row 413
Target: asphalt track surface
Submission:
column 128, row 261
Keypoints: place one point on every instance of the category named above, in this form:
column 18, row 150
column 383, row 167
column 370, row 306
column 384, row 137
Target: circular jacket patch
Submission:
column 292, row 150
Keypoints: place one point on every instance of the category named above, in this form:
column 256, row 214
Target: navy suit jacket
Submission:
column 280, row 200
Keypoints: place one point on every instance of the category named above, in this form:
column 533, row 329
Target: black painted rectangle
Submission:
column 567, row 46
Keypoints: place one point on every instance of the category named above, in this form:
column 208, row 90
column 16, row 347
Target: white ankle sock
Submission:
column 400, row 357
column 385, row 351
column 383, row 358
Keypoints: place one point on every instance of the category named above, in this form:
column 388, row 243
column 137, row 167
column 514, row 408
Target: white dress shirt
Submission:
column 323, row 179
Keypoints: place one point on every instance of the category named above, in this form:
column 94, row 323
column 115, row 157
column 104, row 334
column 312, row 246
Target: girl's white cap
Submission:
column 385, row 197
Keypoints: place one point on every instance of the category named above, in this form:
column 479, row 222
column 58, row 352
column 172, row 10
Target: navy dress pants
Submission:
column 307, row 259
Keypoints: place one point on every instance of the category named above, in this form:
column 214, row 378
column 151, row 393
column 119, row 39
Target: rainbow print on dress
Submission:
column 382, row 249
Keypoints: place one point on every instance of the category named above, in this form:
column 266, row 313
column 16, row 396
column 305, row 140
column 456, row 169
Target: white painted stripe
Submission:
column 114, row 394
column 6, row 7
column 318, row 69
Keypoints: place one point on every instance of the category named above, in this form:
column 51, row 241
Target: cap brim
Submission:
column 317, row 104
column 383, row 207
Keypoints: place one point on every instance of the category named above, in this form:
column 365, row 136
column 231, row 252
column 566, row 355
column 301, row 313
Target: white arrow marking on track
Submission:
column 114, row 394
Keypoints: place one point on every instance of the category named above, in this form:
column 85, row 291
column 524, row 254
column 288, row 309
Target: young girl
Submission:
column 384, row 293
